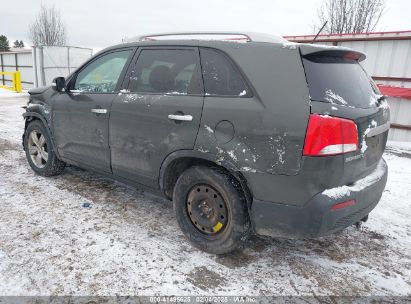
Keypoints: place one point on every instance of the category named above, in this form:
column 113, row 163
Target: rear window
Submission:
column 339, row 81
column 221, row 77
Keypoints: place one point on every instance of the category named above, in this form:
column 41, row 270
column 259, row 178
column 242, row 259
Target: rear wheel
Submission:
column 211, row 209
column 39, row 150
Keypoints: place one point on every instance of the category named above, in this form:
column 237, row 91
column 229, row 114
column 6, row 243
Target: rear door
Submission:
column 157, row 113
column 340, row 87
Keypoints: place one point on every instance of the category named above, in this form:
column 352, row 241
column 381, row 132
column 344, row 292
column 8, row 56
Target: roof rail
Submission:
column 248, row 36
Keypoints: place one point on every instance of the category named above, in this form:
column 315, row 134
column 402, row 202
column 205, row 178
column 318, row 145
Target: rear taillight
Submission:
column 328, row 135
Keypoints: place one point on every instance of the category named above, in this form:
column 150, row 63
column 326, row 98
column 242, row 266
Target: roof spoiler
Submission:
column 331, row 51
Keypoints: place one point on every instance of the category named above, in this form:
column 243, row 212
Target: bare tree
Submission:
column 48, row 28
column 350, row 16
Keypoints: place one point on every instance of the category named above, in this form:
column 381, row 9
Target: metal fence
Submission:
column 53, row 61
column 17, row 61
column 40, row 65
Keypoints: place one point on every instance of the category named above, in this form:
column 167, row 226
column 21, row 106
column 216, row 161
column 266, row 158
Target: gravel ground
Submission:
column 127, row 242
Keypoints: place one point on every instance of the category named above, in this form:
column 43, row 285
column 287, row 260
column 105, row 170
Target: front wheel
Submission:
column 39, row 150
column 211, row 209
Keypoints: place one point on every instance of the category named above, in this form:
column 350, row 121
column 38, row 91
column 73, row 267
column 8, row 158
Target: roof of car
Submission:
column 200, row 39
column 210, row 39
column 201, row 35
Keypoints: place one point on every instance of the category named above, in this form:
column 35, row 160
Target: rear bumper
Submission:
column 316, row 218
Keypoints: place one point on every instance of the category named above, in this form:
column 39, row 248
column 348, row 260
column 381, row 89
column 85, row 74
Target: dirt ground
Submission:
column 82, row 234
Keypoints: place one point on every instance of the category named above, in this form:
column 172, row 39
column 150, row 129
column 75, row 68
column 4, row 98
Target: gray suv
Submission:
column 245, row 134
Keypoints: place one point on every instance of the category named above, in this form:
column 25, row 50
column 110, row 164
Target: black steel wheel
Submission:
column 207, row 209
column 211, row 209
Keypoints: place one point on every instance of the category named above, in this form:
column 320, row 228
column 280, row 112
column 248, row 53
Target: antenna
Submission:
column 319, row 32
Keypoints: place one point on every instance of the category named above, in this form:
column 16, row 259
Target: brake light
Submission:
column 327, row 135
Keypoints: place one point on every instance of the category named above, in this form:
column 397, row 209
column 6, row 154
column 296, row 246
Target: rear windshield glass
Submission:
column 339, row 81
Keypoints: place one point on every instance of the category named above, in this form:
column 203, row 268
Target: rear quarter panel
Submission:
column 268, row 128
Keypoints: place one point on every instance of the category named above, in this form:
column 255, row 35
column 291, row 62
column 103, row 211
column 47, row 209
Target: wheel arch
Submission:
column 34, row 115
column 30, row 116
column 177, row 162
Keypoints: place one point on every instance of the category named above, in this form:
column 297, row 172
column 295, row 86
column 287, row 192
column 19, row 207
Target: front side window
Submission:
column 220, row 76
column 102, row 75
column 166, row 72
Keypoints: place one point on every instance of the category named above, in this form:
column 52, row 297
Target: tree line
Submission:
column 5, row 45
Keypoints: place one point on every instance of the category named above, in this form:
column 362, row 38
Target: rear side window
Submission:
column 166, row 72
column 221, row 77
column 339, row 81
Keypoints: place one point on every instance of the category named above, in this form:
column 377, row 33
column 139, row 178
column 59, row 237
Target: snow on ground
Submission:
column 4, row 93
column 399, row 147
column 127, row 242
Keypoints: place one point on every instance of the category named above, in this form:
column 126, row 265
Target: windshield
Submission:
column 340, row 81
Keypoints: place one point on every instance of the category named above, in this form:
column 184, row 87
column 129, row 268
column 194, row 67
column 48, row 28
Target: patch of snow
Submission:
column 244, row 92
column 175, row 93
column 364, row 146
column 124, row 91
column 332, row 97
column 364, row 141
column 289, row 45
column 254, row 157
column 232, row 155
column 361, row 184
column 248, row 169
column 201, row 149
column 281, row 153
column 334, row 108
column 384, row 105
column 208, row 128
column 374, row 99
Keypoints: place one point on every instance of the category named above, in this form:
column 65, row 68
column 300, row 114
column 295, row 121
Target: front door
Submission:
column 157, row 114
column 81, row 115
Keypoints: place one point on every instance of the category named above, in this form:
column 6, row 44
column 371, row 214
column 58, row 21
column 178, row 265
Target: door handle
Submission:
column 99, row 111
column 180, row 117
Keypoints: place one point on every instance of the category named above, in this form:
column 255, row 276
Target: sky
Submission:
column 99, row 23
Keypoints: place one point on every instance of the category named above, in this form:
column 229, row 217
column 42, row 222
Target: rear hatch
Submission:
column 340, row 87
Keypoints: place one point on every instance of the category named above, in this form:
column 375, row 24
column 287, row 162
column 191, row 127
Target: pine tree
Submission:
column 4, row 44
column 18, row 44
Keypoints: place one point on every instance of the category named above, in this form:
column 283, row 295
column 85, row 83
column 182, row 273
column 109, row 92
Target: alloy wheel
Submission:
column 37, row 147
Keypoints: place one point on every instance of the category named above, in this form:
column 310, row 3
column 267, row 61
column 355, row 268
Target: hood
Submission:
column 40, row 90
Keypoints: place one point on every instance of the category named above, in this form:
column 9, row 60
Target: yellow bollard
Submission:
column 17, row 82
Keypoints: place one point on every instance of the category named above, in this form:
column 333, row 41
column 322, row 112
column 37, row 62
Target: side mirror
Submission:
column 59, row 84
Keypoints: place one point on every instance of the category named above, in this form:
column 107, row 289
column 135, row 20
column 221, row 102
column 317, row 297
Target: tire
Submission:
column 201, row 189
column 40, row 155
